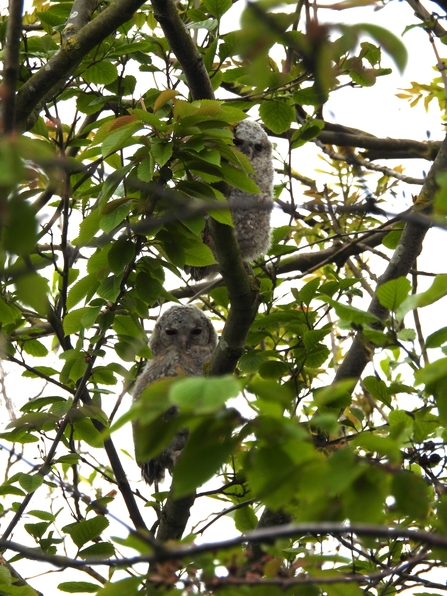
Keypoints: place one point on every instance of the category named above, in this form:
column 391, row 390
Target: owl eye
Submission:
column 238, row 142
column 196, row 331
column 259, row 147
column 171, row 331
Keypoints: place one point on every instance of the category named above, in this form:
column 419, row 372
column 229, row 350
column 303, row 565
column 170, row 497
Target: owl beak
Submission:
column 183, row 341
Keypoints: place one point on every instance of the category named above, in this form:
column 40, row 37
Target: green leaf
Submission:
column 307, row 97
column 100, row 550
column 245, row 519
column 203, row 395
column 101, row 73
column 199, row 255
column 6, row 488
column 6, row 313
column 432, row 372
column 378, row 390
column 337, row 395
column 80, row 318
column 32, row 289
column 45, row 370
column 88, row 228
column 388, row 41
column 208, row 447
column 277, row 115
column 273, row 476
column 437, row 290
column 30, row 483
column 411, row 494
column 392, row 293
column 84, row 288
column 121, row 254
column 251, row 361
column 86, row 431
column 37, row 530
column 352, row 314
column 20, row 234
column 111, row 220
column 83, row 531
column 273, row 369
column 161, row 152
column 240, row 179
column 44, row 515
column 35, row 348
column 146, row 168
column 129, row 587
column 117, row 138
column 381, row 445
column 269, row 390
column 217, row 7
column 75, row 587
column 437, row 339
column 5, row 576
column 110, row 288
column 366, row 77
column 37, row 420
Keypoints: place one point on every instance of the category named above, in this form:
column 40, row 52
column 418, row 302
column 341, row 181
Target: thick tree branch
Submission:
column 80, row 15
column 380, row 148
column 376, row 147
column 243, row 298
column 265, row 535
column 243, row 294
column 400, row 265
column 184, row 48
column 422, row 13
column 11, row 66
column 174, row 517
column 75, row 48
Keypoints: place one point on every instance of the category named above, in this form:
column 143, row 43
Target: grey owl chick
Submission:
column 251, row 213
column 183, row 340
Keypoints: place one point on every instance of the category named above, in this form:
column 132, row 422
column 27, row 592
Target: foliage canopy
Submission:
column 320, row 431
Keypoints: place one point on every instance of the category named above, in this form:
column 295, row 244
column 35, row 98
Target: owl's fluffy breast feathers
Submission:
column 251, row 213
column 183, row 340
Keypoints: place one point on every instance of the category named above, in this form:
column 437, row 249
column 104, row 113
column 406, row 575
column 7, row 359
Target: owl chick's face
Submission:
column 182, row 328
column 250, row 139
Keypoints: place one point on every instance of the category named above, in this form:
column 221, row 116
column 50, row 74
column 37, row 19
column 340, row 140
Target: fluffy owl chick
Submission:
column 183, row 340
column 251, row 213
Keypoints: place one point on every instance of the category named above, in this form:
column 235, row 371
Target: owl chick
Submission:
column 251, row 213
column 183, row 340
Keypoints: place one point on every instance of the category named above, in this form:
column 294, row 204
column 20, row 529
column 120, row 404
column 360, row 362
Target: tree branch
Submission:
column 380, row 148
column 243, row 297
column 71, row 53
column 265, row 535
column 400, row 265
column 11, row 65
column 80, row 15
column 307, row 261
column 184, row 49
column 423, row 14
